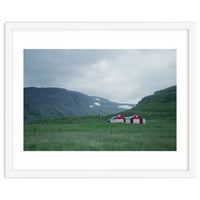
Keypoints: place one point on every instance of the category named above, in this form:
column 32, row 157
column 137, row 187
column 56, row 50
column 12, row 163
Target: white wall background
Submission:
column 91, row 10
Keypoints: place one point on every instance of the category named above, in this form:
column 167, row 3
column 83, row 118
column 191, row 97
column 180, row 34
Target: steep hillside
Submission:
column 41, row 103
column 160, row 105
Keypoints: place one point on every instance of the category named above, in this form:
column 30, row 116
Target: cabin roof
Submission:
column 117, row 117
column 129, row 117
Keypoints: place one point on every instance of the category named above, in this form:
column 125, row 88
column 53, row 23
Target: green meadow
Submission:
column 58, row 135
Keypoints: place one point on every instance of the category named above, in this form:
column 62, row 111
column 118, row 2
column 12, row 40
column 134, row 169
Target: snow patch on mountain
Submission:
column 97, row 104
column 125, row 106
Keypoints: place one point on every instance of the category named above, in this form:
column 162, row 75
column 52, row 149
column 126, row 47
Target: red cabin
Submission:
column 136, row 120
column 117, row 119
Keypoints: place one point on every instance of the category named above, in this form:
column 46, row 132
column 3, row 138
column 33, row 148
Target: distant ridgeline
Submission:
column 161, row 105
column 43, row 103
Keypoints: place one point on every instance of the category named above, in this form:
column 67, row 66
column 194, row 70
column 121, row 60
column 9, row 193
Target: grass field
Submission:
column 58, row 135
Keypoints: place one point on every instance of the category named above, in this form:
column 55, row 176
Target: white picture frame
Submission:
column 11, row 36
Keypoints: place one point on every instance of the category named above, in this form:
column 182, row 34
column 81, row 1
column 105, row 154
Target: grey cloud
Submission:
column 118, row 75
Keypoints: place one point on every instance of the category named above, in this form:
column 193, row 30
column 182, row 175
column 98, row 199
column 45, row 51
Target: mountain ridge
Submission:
column 53, row 102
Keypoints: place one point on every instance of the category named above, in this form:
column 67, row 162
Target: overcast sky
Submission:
column 123, row 75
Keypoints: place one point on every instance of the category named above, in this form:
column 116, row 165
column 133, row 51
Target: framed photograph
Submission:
column 99, row 100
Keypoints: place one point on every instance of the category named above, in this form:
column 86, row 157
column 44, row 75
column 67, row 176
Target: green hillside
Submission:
column 160, row 105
